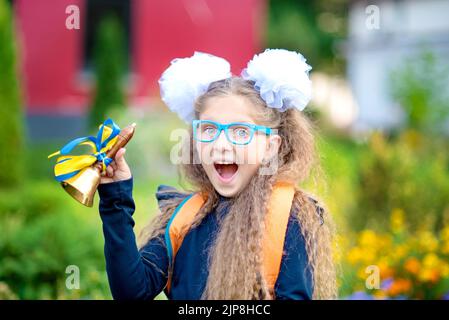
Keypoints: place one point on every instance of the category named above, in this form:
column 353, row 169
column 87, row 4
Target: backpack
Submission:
column 276, row 221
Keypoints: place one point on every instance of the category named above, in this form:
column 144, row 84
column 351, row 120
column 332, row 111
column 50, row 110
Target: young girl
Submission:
column 251, row 141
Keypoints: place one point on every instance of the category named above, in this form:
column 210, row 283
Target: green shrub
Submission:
column 419, row 85
column 408, row 169
column 42, row 235
column 398, row 174
column 110, row 62
column 11, row 130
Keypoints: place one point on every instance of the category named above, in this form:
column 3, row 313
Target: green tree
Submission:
column 11, row 114
column 419, row 85
column 314, row 28
column 110, row 62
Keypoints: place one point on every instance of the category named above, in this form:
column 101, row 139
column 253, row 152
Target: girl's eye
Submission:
column 241, row 132
column 209, row 130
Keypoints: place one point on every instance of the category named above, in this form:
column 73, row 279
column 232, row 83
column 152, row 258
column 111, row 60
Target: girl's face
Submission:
column 231, row 166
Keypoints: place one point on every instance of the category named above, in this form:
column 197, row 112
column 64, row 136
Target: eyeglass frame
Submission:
column 224, row 127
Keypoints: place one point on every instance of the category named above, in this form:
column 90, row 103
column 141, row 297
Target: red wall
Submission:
column 51, row 56
column 166, row 29
column 161, row 30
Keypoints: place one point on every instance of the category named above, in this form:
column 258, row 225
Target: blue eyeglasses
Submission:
column 240, row 133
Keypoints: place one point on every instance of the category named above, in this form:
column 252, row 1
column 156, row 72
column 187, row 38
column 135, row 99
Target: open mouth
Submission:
column 226, row 171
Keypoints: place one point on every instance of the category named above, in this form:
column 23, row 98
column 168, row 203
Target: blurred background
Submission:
column 380, row 105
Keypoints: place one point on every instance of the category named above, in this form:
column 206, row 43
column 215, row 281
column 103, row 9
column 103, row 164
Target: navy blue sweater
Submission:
column 139, row 274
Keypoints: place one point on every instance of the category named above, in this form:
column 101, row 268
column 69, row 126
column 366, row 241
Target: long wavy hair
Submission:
column 235, row 258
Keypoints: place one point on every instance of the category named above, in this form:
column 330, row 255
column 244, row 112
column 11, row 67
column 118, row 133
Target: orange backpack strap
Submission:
column 179, row 225
column 276, row 222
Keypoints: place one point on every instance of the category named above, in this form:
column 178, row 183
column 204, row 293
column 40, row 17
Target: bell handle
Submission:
column 122, row 139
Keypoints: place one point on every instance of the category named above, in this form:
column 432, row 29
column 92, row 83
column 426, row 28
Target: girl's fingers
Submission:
column 109, row 171
column 119, row 159
column 118, row 155
column 113, row 165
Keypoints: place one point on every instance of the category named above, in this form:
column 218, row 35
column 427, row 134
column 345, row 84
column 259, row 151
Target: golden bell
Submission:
column 83, row 188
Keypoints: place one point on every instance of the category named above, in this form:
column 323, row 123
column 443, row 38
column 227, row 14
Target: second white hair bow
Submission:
column 280, row 76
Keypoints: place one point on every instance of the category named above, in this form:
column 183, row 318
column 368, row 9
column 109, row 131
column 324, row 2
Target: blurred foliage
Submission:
column 401, row 217
column 149, row 150
column 419, row 85
column 11, row 114
column 411, row 264
column 338, row 178
column 109, row 59
column 42, row 235
column 399, row 173
column 314, row 28
column 408, row 169
column 6, row 293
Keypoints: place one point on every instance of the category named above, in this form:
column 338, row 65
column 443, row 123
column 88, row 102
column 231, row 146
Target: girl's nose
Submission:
column 222, row 143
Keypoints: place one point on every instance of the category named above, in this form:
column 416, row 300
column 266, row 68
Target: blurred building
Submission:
column 405, row 27
column 57, row 62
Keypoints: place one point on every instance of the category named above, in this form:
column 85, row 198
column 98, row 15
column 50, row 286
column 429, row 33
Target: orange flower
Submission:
column 412, row 265
column 399, row 286
column 429, row 275
column 385, row 270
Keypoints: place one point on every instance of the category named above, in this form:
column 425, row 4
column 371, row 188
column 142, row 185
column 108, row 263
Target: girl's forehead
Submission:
column 227, row 109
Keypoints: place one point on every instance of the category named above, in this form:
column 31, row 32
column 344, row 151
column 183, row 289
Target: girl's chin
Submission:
column 227, row 192
column 226, row 188
column 231, row 189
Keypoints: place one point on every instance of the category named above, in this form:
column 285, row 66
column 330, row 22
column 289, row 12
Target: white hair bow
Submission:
column 280, row 76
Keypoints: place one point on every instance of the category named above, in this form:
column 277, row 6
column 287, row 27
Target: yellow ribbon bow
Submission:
column 68, row 166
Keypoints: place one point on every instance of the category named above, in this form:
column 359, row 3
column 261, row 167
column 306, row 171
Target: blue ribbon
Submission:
column 98, row 146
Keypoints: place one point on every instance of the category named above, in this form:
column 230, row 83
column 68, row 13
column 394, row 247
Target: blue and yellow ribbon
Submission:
column 68, row 166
